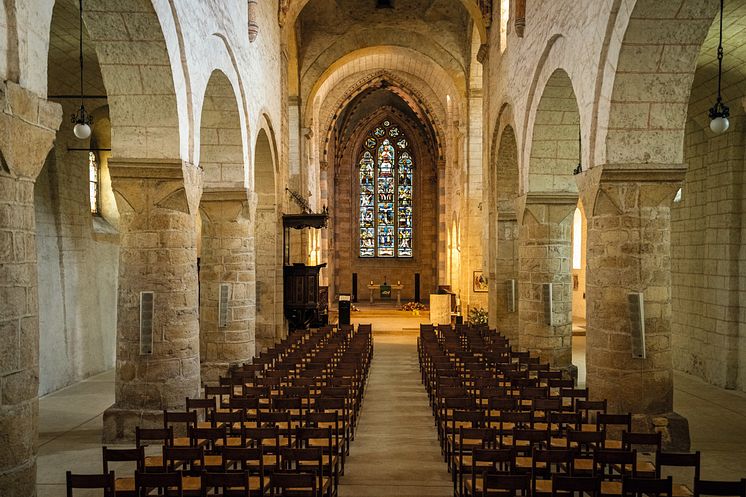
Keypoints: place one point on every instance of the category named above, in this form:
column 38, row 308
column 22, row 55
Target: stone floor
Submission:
column 395, row 452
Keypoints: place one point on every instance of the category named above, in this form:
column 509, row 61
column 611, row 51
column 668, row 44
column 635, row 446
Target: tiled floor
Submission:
column 396, row 452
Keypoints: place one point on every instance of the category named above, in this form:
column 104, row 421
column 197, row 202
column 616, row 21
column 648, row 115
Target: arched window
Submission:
column 386, row 193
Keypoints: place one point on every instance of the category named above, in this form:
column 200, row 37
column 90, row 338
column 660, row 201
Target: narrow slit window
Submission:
column 577, row 240
column 93, row 182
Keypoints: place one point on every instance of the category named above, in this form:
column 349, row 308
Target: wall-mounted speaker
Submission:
column 225, row 291
column 637, row 324
column 417, row 287
column 548, row 304
column 510, row 293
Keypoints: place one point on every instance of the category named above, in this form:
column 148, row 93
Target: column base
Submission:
column 673, row 426
column 571, row 371
column 120, row 423
column 19, row 481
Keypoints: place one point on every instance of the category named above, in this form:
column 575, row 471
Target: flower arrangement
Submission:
column 477, row 315
column 413, row 306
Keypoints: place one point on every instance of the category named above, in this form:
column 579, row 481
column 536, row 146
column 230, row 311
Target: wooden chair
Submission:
column 250, row 459
column 293, row 484
column 166, row 484
column 189, row 462
column 614, row 425
column 509, row 421
column 202, row 407
column 483, row 461
column 468, row 439
column 590, row 409
column 232, row 422
column 226, row 484
column 586, row 443
column 720, row 488
column 690, row 460
column 163, row 437
column 524, row 442
column 559, row 424
column 613, row 466
column 503, row 484
column 181, row 422
column 268, row 439
column 124, row 486
column 647, row 445
column 544, row 464
column 575, row 485
column 323, row 439
column 310, row 461
column 104, row 482
column 650, row 487
column 210, row 438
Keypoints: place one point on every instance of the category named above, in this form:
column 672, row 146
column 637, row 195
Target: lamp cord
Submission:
column 720, row 51
column 80, row 39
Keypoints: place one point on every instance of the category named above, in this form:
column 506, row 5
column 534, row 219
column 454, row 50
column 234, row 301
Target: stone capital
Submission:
column 166, row 183
column 28, row 127
column 618, row 188
column 506, row 216
column 546, row 207
column 226, row 205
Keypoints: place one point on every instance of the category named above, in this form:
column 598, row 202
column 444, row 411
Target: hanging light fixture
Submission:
column 719, row 112
column 81, row 119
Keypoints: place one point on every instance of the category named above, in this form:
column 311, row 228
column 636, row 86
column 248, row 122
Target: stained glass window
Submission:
column 93, row 182
column 386, row 194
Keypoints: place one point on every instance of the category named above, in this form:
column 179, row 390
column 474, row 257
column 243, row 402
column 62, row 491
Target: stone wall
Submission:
column 78, row 256
column 707, row 247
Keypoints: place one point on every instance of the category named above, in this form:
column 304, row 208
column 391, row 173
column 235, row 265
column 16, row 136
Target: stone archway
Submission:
column 503, row 243
column 544, row 214
column 227, row 333
column 268, row 245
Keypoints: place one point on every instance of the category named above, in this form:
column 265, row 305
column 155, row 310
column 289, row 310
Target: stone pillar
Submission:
column 27, row 131
column 545, row 253
column 157, row 202
column 269, row 273
column 505, row 268
column 443, row 227
column 227, row 258
column 629, row 250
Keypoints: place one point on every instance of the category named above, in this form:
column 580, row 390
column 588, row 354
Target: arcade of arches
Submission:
column 546, row 162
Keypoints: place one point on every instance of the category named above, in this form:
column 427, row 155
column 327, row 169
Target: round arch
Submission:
column 267, row 237
column 221, row 150
column 555, row 140
column 291, row 9
column 643, row 105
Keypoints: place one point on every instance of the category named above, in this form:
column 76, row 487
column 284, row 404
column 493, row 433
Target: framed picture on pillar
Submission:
column 479, row 282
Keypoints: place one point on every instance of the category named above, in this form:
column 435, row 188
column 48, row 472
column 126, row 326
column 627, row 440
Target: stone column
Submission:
column 545, row 253
column 157, row 202
column 443, row 227
column 227, row 258
column 27, row 131
column 506, row 268
column 629, row 250
column 269, row 273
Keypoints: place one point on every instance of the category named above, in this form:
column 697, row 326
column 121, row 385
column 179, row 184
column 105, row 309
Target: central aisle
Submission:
column 396, row 451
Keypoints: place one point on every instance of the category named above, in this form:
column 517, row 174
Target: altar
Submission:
column 384, row 291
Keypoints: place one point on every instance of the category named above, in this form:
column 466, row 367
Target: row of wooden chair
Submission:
column 498, row 411
column 289, row 433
